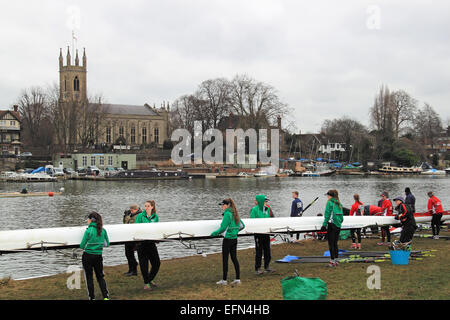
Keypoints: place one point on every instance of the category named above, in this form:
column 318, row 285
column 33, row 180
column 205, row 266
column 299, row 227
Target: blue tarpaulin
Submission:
column 40, row 169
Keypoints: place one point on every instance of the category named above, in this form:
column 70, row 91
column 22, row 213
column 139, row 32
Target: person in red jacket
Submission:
column 356, row 210
column 387, row 210
column 435, row 208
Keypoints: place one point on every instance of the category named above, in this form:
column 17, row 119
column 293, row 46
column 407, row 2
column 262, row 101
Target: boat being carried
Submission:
column 70, row 237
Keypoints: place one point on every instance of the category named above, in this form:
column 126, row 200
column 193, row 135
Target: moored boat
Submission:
column 29, row 194
column 400, row 170
column 433, row 172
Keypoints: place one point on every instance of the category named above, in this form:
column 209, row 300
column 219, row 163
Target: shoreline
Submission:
column 194, row 277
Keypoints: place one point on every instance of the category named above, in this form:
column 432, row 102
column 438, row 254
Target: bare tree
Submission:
column 427, row 125
column 91, row 121
column 216, row 92
column 403, row 109
column 256, row 101
column 346, row 130
column 34, row 110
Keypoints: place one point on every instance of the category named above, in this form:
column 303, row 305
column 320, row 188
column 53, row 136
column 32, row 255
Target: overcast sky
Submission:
column 326, row 58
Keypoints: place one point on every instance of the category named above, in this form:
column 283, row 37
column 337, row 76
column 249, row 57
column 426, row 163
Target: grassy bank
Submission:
column 195, row 277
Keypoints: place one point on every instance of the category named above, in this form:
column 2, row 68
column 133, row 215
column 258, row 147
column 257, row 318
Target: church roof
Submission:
column 130, row 109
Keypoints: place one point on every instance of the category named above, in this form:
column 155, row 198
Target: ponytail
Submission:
column 335, row 195
column 356, row 197
column 97, row 218
column 234, row 209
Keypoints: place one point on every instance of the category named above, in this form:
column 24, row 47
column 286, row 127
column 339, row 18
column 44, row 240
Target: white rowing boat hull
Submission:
column 53, row 238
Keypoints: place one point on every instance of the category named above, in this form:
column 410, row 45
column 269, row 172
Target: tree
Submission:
column 91, row 123
column 216, row 94
column 381, row 120
column 427, row 125
column 256, row 101
column 34, row 112
column 403, row 110
column 346, row 130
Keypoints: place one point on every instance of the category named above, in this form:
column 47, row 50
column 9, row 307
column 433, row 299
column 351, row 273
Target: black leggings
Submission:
column 94, row 263
column 229, row 247
column 129, row 253
column 436, row 223
column 356, row 233
column 333, row 237
column 385, row 233
column 262, row 245
column 147, row 250
column 407, row 233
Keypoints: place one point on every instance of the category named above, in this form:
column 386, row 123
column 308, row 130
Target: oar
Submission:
column 309, row 205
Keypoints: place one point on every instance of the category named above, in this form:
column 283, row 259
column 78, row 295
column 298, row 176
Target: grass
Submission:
column 194, row 278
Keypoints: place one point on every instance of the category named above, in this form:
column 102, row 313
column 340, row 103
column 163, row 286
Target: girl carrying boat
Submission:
column 232, row 224
column 94, row 239
column 332, row 222
column 356, row 210
column 147, row 250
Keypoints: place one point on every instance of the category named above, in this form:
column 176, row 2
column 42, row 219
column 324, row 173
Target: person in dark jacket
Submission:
column 130, row 217
column 296, row 208
column 410, row 199
column 297, row 205
column 406, row 217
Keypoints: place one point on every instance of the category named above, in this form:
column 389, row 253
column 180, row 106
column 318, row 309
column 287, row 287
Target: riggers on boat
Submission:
column 70, row 237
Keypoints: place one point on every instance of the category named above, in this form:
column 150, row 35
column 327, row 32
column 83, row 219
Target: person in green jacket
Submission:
column 94, row 239
column 232, row 224
column 147, row 250
column 262, row 241
column 332, row 223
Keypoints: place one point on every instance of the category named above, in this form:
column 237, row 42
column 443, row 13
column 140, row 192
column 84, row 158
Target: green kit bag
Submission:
column 298, row 288
column 344, row 234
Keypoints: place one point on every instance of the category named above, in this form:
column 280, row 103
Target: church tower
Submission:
column 72, row 78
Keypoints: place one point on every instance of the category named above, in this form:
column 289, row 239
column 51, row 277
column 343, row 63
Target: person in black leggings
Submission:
column 232, row 224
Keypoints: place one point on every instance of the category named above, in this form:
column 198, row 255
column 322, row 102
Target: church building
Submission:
column 131, row 125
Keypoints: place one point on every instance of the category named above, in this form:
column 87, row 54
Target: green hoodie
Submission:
column 229, row 225
column 260, row 210
column 144, row 218
column 93, row 243
column 333, row 211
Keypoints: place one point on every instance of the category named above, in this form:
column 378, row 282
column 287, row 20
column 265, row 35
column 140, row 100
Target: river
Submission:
column 179, row 200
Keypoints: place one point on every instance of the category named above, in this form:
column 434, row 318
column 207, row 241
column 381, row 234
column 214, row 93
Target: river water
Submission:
column 195, row 199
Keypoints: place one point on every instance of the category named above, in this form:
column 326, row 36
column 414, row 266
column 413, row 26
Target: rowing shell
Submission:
column 70, row 237
column 31, row 194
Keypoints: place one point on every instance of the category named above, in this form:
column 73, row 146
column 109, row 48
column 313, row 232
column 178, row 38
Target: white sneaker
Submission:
column 222, row 282
column 236, row 282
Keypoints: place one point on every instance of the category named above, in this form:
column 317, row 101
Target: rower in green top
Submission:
column 332, row 223
column 94, row 239
column 262, row 241
column 147, row 250
column 232, row 224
